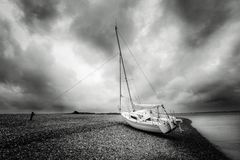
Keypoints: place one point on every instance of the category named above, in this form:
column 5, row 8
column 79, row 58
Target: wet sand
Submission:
column 69, row 136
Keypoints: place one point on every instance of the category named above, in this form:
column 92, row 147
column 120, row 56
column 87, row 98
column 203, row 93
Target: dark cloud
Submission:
column 7, row 50
column 201, row 18
column 205, row 89
column 95, row 23
column 190, row 81
column 39, row 14
column 195, row 73
column 31, row 104
column 223, row 88
column 224, row 95
column 28, row 71
column 217, row 96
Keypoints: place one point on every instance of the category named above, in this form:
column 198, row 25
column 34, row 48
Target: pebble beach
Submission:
column 93, row 136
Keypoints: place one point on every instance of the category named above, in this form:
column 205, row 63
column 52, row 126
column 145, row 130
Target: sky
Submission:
column 189, row 51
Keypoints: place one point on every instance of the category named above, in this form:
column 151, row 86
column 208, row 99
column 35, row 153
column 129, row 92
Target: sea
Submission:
column 221, row 129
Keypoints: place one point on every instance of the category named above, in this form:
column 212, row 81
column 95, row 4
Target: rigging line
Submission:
column 137, row 96
column 85, row 77
column 150, row 84
column 134, row 93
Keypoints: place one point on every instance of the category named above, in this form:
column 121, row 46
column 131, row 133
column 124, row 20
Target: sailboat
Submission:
column 145, row 117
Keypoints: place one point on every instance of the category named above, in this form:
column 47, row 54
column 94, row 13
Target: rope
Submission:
column 137, row 98
column 85, row 77
column 150, row 84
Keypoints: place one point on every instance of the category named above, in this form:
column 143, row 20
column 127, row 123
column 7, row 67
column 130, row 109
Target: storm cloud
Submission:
column 201, row 19
column 95, row 22
column 39, row 15
column 24, row 73
column 204, row 71
column 188, row 49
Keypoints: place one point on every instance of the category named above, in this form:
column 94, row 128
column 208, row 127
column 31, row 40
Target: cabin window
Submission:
column 148, row 119
column 133, row 117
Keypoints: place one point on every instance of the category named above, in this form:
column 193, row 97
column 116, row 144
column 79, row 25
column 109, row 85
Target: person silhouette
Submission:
column 32, row 114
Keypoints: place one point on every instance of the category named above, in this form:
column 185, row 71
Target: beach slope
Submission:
column 76, row 136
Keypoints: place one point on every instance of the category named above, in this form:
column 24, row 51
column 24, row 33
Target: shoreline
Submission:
column 222, row 130
column 97, row 136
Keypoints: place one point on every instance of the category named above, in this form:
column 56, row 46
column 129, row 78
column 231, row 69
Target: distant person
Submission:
column 32, row 114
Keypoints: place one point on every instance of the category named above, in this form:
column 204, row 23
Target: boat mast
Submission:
column 120, row 70
column 121, row 63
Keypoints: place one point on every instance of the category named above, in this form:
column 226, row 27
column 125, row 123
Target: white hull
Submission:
column 160, row 126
